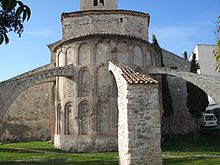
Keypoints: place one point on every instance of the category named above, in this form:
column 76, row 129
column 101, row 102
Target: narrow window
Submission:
column 102, row 2
column 59, row 119
column 95, row 3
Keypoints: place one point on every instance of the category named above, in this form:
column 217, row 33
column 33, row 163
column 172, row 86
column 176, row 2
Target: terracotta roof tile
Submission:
column 133, row 77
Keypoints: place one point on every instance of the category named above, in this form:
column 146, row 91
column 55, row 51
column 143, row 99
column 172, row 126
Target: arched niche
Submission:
column 153, row 59
column 122, row 52
column 70, row 55
column 113, row 84
column 61, row 59
column 137, row 56
column 103, row 53
column 58, row 119
column 103, row 118
column 84, row 118
column 147, row 57
column 103, row 81
column 84, row 54
column 84, row 82
column 67, row 118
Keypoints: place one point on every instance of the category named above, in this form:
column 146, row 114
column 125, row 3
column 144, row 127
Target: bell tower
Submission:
column 98, row 5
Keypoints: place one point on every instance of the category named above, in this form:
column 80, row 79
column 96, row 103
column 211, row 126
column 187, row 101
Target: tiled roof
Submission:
column 133, row 77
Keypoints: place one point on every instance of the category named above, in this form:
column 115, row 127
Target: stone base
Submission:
column 85, row 143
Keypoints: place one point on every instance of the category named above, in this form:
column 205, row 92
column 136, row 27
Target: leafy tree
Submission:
column 166, row 97
column 197, row 99
column 13, row 13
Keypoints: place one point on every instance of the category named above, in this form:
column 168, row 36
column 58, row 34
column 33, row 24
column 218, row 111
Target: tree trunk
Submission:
column 169, row 125
column 195, row 131
column 197, row 128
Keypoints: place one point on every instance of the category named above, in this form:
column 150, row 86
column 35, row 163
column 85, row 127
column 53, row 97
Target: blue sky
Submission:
column 178, row 24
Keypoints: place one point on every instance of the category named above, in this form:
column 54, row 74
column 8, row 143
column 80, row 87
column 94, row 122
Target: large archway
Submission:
column 14, row 87
column 209, row 84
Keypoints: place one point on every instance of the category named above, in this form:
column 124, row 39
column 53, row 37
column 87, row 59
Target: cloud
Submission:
column 41, row 33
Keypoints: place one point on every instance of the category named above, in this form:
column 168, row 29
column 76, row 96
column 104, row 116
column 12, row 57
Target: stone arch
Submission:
column 208, row 84
column 84, row 118
column 84, row 82
column 58, row 119
column 137, row 56
column 122, row 54
column 103, row 118
column 84, row 54
column 67, row 118
column 103, row 81
column 16, row 85
column 103, row 52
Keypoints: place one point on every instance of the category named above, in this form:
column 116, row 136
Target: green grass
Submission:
column 181, row 151
column 43, row 153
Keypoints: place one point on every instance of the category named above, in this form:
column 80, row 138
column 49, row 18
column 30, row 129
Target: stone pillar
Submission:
column 139, row 122
column 52, row 113
column 139, row 125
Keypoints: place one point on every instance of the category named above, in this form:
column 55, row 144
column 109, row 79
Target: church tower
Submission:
column 98, row 5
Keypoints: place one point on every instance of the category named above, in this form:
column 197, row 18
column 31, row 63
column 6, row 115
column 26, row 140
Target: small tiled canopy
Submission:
column 133, row 77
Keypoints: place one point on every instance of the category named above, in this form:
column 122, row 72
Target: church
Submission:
column 80, row 112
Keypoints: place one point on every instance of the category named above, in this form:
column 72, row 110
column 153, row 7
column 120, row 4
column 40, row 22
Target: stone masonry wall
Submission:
column 182, row 122
column 117, row 22
column 86, row 104
column 28, row 116
column 208, row 84
column 26, row 103
column 139, row 122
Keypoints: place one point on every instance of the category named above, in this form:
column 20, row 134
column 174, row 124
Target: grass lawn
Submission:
column 181, row 151
column 42, row 153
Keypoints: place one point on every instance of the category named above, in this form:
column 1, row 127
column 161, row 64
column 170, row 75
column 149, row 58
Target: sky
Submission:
column 178, row 25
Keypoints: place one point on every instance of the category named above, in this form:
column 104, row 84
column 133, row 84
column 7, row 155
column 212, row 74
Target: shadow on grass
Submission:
column 186, row 144
column 21, row 150
column 191, row 161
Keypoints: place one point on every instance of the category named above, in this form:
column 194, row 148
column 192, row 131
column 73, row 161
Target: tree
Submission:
column 197, row 99
column 13, row 13
column 166, row 97
column 218, row 47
